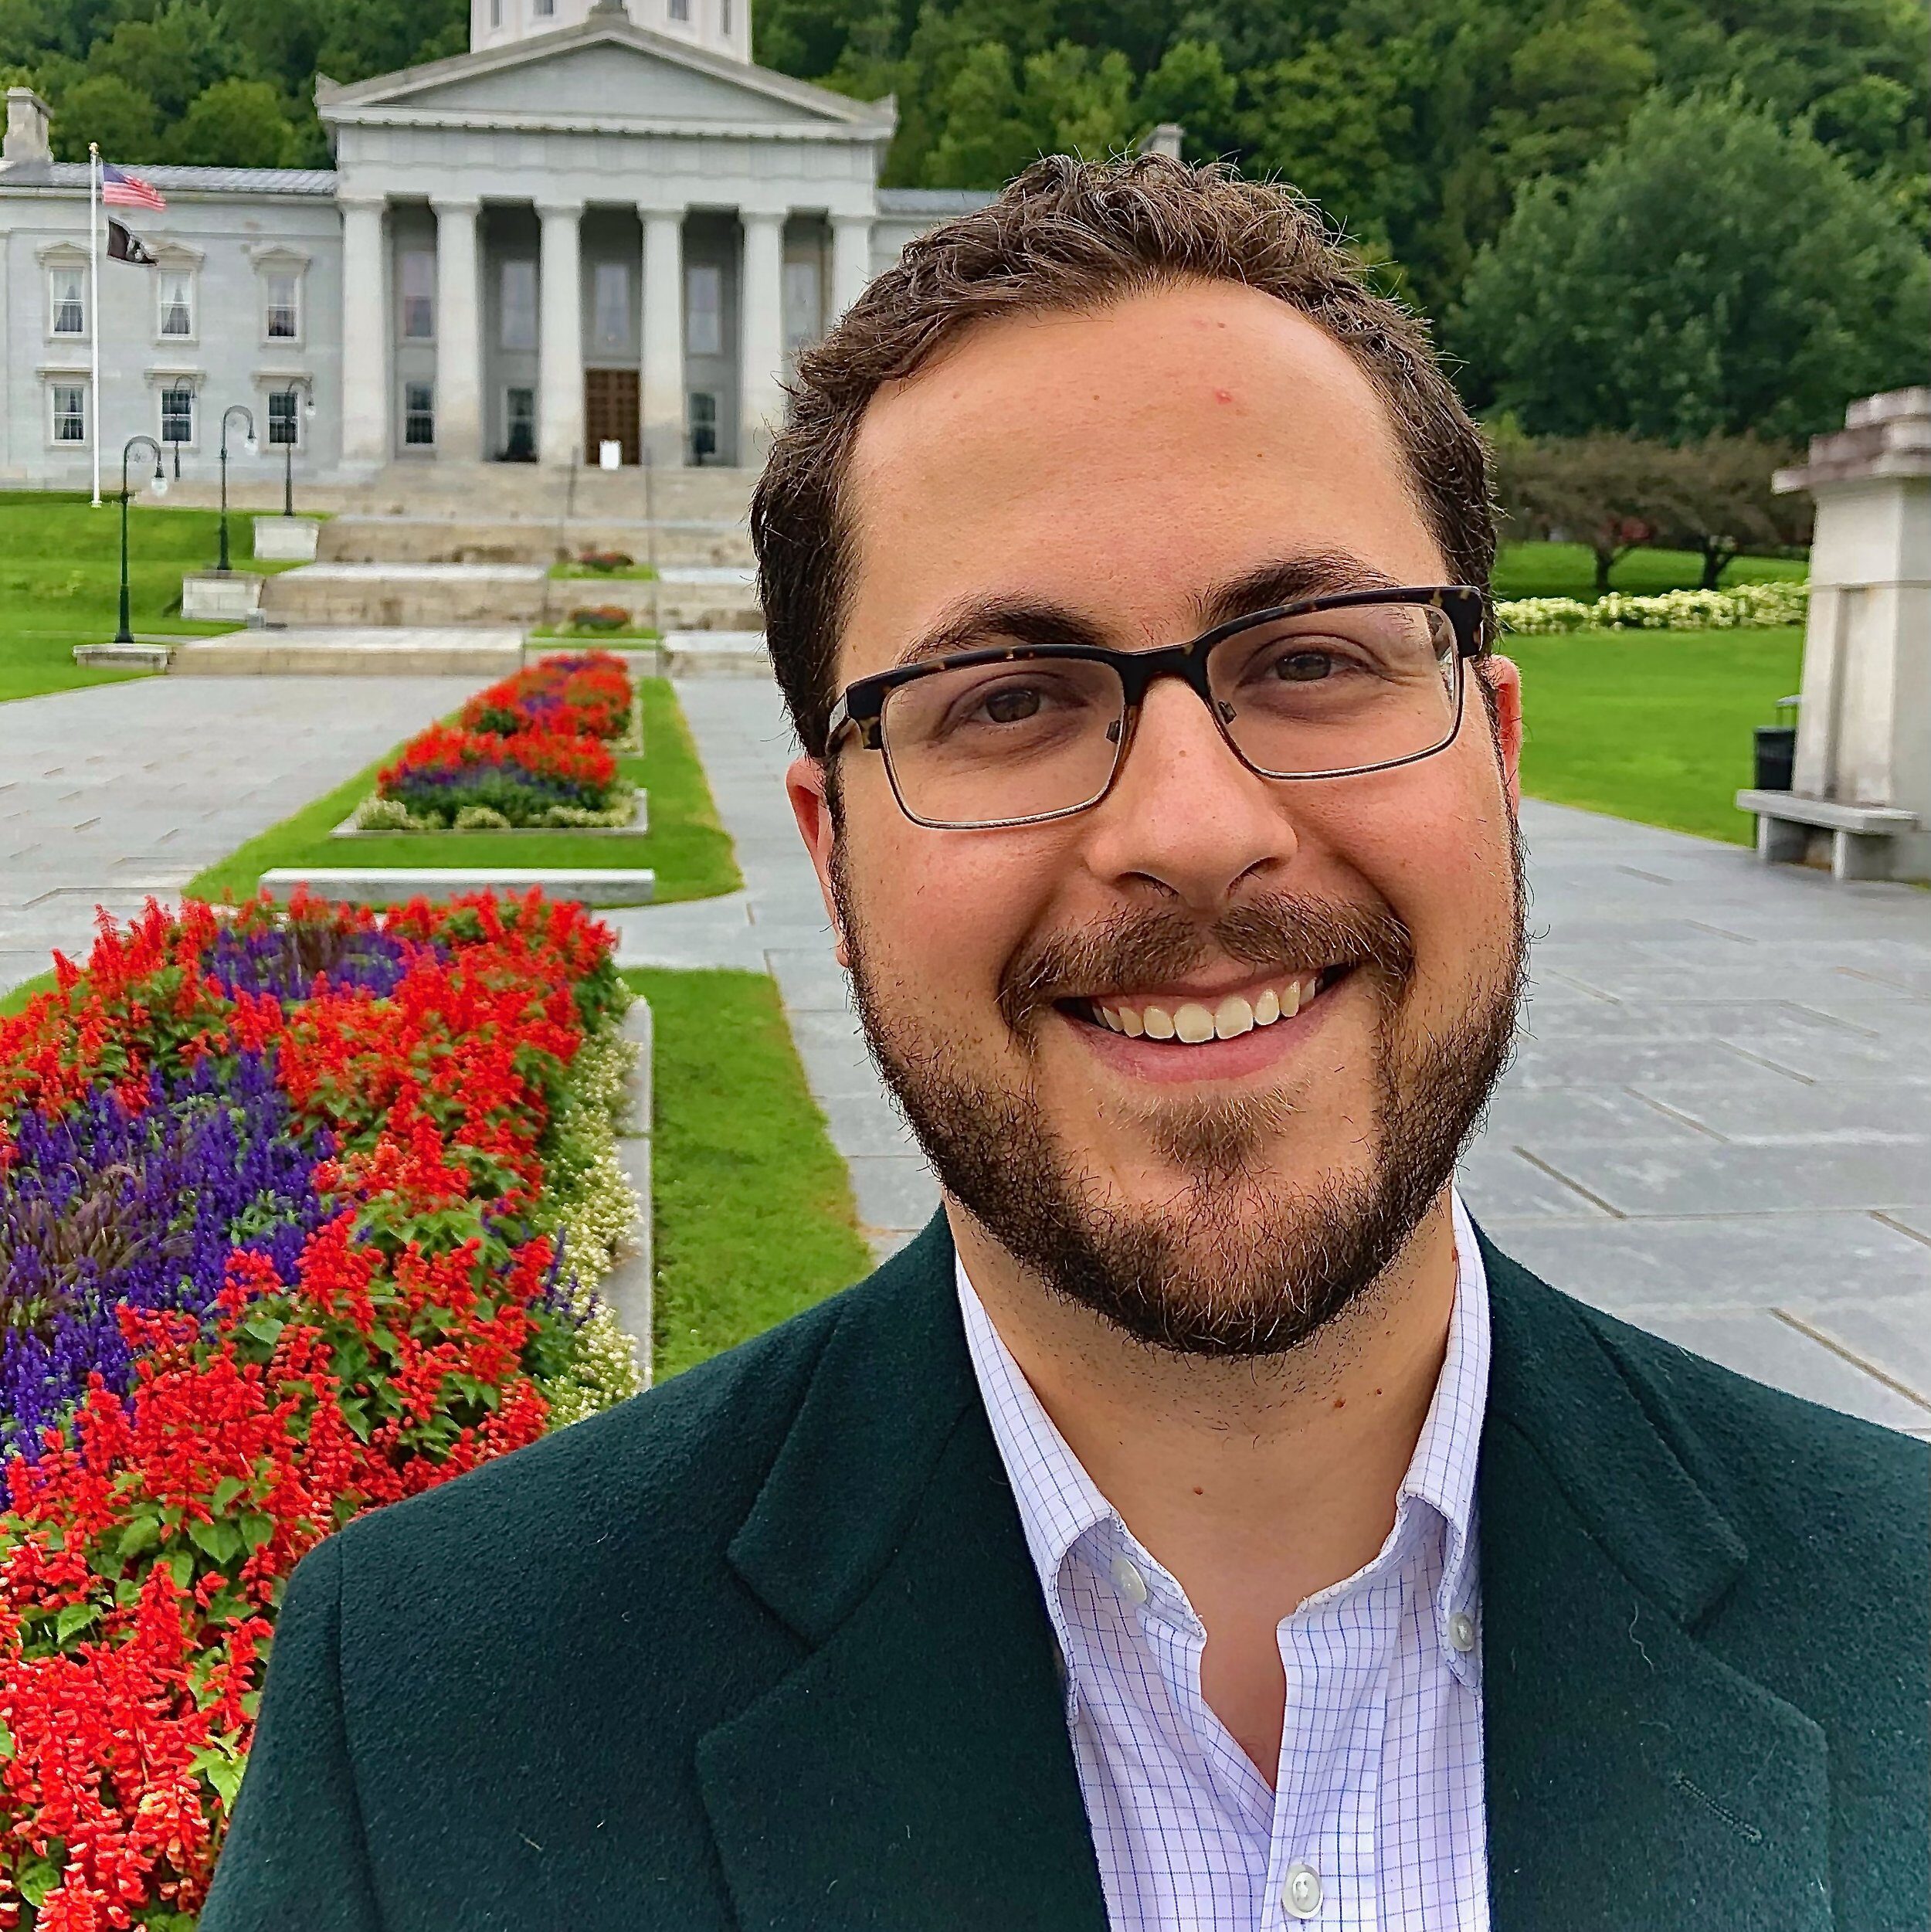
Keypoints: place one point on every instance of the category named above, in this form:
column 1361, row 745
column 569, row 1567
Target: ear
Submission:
column 804, row 786
column 1504, row 678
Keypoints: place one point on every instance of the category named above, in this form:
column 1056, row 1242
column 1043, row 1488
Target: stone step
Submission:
column 349, row 651
column 395, row 885
column 699, row 597
column 392, row 596
column 450, row 539
column 714, row 653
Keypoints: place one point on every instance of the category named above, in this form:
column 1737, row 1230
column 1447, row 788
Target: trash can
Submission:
column 1777, row 750
column 610, row 455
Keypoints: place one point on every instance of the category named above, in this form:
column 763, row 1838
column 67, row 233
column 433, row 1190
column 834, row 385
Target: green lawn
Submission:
column 1568, row 570
column 60, row 580
column 689, row 850
column 752, row 1208
column 585, row 573
column 1652, row 726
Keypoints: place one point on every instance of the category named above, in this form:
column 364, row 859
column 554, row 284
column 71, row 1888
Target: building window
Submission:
column 703, row 425
column 70, row 413
column 703, row 309
column 518, row 323
column 419, row 413
column 680, row 9
column 724, row 18
column 612, row 305
column 519, row 442
column 281, row 319
column 804, row 321
column 177, row 413
column 545, row 9
column 496, row 13
column 284, row 419
column 175, row 288
column 66, row 301
column 419, row 293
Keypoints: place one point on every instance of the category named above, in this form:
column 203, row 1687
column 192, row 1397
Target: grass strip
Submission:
column 753, row 1211
column 686, row 846
column 1652, row 726
column 1568, row 570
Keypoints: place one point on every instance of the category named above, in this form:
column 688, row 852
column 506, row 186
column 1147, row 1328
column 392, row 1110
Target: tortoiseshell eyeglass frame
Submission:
column 860, row 707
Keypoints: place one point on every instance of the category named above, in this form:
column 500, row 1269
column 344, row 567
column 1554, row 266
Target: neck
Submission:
column 1263, row 1480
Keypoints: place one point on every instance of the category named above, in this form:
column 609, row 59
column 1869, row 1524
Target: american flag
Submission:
column 120, row 189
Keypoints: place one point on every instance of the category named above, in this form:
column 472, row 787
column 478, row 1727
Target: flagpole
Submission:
column 93, row 291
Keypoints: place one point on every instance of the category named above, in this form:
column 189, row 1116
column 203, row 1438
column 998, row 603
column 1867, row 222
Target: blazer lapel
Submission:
column 914, row 1769
column 1633, row 1779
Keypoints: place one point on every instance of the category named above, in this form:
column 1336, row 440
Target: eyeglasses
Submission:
column 1331, row 687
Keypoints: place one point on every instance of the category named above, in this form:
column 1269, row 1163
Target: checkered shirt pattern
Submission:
column 1377, row 1822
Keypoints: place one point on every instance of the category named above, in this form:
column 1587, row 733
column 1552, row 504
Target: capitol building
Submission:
column 599, row 235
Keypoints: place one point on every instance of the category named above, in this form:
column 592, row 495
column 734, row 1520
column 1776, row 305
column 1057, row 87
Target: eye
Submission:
column 1013, row 705
column 1303, row 667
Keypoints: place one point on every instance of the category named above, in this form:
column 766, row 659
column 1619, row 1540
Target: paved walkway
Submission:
column 1718, row 1124
column 109, row 794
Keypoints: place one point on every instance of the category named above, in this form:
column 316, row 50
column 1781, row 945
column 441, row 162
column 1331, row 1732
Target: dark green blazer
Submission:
column 764, row 1648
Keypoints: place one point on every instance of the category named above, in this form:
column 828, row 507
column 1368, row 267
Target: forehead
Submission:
column 1118, row 459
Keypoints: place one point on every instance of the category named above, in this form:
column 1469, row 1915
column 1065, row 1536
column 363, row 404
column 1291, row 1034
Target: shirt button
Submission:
column 1127, row 1580
column 1461, row 1630
column 1301, row 1893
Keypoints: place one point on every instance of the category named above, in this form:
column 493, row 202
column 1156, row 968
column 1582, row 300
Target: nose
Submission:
column 1185, row 813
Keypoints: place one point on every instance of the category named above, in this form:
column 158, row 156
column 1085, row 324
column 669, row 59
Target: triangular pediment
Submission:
column 616, row 73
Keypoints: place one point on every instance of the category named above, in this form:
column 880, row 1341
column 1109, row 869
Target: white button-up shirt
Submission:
column 1377, row 1822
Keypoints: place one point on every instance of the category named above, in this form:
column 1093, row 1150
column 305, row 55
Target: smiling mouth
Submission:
column 1190, row 1023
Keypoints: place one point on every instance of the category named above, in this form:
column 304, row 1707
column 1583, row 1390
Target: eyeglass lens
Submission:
column 1327, row 691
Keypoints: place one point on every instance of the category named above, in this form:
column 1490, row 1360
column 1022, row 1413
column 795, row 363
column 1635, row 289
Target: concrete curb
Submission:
column 395, row 885
column 628, row 1289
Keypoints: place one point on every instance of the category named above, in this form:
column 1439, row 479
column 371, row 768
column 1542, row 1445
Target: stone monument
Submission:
column 1861, row 793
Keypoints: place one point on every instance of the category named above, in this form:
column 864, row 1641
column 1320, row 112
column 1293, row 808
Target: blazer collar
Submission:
column 1634, row 1777
column 915, row 1769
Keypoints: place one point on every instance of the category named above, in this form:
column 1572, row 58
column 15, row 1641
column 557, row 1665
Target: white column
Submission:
column 559, row 405
column 761, row 334
column 366, row 329
column 851, row 260
column 662, row 388
column 459, row 340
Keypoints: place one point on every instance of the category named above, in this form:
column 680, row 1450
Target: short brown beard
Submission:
column 1230, row 1267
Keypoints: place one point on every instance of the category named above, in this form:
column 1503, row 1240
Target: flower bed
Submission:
column 1747, row 606
column 300, row 1213
column 584, row 694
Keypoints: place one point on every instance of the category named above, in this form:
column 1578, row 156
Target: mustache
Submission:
column 1282, row 932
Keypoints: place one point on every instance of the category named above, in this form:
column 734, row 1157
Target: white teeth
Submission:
column 1111, row 1018
column 1232, row 1017
column 1158, row 1024
column 1290, row 999
column 1134, row 1026
column 1192, row 1023
column 1266, row 1009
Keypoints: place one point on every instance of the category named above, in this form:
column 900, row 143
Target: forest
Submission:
column 1669, row 218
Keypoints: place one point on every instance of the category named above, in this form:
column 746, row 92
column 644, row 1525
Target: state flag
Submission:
column 124, row 246
column 120, row 189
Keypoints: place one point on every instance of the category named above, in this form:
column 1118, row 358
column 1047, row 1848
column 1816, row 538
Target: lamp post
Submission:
column 247, row 414
column 288, row 448
column 125, row 635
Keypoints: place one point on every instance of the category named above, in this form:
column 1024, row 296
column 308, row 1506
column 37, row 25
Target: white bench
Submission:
column 1861, row 835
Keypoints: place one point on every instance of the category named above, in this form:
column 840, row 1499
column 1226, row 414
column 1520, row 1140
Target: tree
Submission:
column 103, row 108
column 170, row 59
column 1716, row 498
column 1192, row 86
column 236, row 123
column 1713, row 271
column 1605, row 491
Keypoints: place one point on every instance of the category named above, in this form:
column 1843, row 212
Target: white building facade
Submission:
column 601, row 234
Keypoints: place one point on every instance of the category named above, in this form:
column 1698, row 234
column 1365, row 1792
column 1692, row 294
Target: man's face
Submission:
column 1221, row 1197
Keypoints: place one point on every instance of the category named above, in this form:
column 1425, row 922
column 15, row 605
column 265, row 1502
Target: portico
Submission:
column 596, row 236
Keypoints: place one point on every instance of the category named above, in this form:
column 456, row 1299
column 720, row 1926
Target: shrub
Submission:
column 448, row 777
column 1748, row 605
column 599, row 617
column 606, row 560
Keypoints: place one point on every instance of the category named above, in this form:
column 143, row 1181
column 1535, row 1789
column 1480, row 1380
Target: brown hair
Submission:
column 1069, row 235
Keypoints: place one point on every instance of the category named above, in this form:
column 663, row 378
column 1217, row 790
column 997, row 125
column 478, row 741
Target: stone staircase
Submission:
column 446, row 547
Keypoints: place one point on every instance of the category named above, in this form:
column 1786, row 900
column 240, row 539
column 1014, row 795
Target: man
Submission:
column 1200, row 1525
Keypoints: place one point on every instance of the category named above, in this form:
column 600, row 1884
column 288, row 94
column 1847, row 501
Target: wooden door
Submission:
column 610, row 413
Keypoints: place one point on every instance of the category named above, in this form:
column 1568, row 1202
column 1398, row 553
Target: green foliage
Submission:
column 1713, row 271
column 240, row 123
column 106, row 108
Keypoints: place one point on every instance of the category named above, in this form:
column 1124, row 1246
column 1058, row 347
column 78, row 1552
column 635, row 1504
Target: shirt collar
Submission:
column 1058, row 1502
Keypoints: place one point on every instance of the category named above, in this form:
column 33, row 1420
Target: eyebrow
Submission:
column 975, row 622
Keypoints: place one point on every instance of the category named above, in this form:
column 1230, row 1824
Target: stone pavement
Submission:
column 1718, row 1124
column 109, row 794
